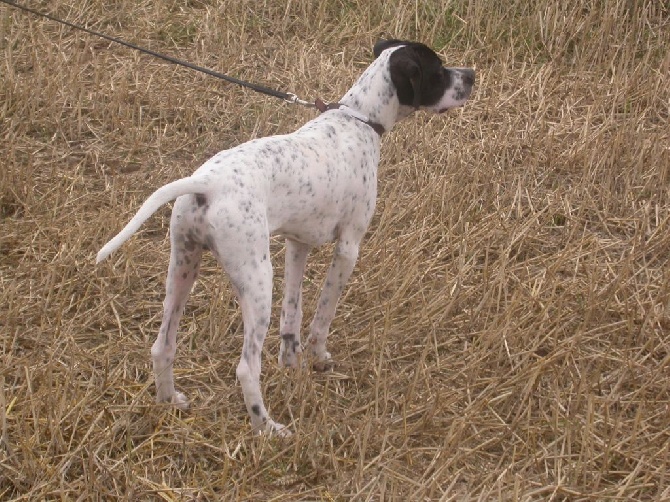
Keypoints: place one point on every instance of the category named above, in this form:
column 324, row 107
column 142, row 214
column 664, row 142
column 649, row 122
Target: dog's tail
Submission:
column 161, row 196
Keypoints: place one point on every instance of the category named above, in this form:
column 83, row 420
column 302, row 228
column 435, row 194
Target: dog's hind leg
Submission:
column 246, row 259
column 291, row 312
column 185, row 255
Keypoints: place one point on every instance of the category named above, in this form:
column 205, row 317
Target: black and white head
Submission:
column 420, row 79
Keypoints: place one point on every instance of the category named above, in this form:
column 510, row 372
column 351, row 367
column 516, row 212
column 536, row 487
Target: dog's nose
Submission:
column 468, row 76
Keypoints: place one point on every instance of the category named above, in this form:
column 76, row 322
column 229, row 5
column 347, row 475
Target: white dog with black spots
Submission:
column 315, row 185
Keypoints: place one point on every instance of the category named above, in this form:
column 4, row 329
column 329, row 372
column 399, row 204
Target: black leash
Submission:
column 286, row 96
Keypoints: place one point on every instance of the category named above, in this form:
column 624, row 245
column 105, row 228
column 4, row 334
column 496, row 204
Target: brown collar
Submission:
column 323, row 107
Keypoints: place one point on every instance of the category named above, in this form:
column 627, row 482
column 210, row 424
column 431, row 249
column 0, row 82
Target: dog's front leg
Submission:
column 291, row 312
column 344, row 260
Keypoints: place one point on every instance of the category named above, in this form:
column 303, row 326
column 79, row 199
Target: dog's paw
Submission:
column 278, row 430
column 178, row 400
column 323, row 364
column 319, row 357
column 274, row 429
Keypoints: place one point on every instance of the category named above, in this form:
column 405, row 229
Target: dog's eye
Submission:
column 445, row 78
column 439, row 79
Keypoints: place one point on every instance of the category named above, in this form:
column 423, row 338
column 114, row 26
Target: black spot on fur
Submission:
column 167, row 338
column 200, row 199
column 256, row 409
column 189, row 245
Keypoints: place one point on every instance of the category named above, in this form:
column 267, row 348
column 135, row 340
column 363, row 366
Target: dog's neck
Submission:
column 364, row 97
column 323, row 107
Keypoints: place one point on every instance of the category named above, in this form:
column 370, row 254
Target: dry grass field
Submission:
column 505, row 335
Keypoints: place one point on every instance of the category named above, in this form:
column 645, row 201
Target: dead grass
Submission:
column 505, row 336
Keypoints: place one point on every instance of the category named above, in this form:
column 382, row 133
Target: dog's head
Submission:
column 420, row 79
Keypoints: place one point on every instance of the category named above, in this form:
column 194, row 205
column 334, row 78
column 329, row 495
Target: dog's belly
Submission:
column 314, row 233
column 311, row 239
column 320, row 217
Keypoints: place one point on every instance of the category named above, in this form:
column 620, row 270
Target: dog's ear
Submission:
column 407, row 76
column 382, row 45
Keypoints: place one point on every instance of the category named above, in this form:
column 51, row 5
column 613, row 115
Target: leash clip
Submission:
column 294, row 99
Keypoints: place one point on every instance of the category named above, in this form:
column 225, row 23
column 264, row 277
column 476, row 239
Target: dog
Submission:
column 315, row 185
